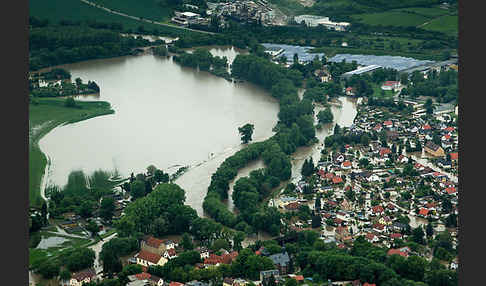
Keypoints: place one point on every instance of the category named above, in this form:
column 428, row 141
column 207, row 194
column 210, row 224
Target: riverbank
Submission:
column 44, row 115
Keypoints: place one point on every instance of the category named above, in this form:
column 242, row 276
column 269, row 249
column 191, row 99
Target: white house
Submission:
column 390, row 85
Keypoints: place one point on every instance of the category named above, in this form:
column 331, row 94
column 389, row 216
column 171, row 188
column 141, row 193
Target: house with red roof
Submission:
column 396, row 235
column 385, row 151
column 346, row 165
column 423, row 212
column 176, row 284
column 369, row 284
column 337, row 180
column 388, row 123
column 450, row 190
column 81, row 277
column 390, row 85
column 350, row 91
column 378, row 127
column 402, row 159
column 153, row 280
column 371, row 237
column 379, row 227
column 404, row 251
column 454, row 156
column 378, row 209
column 147, row 259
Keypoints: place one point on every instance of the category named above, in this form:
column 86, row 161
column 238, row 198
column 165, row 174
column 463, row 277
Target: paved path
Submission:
column 98, row 266
column 142, row 19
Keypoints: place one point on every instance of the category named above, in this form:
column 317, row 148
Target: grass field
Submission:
column 427, row 12
column 391, row 18
column 148, row 9
column 75, row 10
column 445, row 24
column 44, row 116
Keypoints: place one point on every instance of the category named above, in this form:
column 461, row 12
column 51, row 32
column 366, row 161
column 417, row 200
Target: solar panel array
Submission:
column 289, row 51
column 395, row 62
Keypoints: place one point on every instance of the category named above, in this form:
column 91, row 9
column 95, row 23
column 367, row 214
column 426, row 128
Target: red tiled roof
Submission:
column 427, row 127
column 292, row 206
column 368, row 284
column 377, row 209
column 397, row 251
column 384, row 151
column 176, row 284
column 83, row 274
column 449, row 129
column 171, row 252
column 454, row 156
column 388, row 122
column 337, row 180
column 450, row 190
column 143, row 276
column 423, row 212
column 370, row 236
column 379, row 226
column 346, row 164
column 148, row 256
column 396, row 235
column 299, row 277
column 329, row 175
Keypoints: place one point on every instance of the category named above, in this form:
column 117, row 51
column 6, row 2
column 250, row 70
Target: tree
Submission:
column 107, row 208
column 316, row 221
column 238, row 238
column 220, row 243
column 93, row 228
column 429, row 230
column 429, row 106
column 418, row 235
column 65, row 274
column 79, row 82
column 49, row 269
column 160, row 176
column 137, row 189
column 246, row 132
column 187, row 242
column 325, row 116
column 404, row 78
column 76, row 259
column 44, row 213
column 69, row 102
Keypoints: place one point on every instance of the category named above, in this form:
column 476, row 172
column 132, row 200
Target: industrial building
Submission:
column 361, row 70
column 314, row 21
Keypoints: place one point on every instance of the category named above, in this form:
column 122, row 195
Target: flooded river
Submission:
column 165, row 115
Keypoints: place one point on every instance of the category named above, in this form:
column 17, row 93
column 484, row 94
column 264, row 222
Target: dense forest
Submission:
column 51, row 45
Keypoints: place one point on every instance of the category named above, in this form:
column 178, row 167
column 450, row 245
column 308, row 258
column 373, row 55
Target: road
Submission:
column 97, row 249
column 141, row 19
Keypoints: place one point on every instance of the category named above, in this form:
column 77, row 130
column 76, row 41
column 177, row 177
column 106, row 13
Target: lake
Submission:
column 165, row 114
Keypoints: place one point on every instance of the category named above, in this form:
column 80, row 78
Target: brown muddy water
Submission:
column 165, row 115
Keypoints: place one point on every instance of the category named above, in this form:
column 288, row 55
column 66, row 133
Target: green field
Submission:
column 391, row 18
column 427, row 12
column 75, row 10
column 148, row 9
column 44, row 116
column 445, row 24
